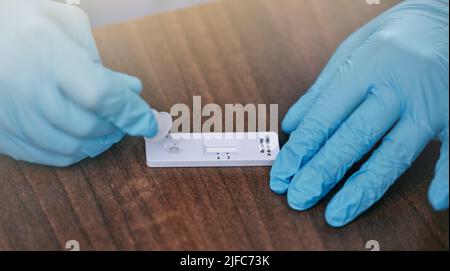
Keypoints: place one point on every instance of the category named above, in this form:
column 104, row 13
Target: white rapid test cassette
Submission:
column 209, row 149
column 213, row 150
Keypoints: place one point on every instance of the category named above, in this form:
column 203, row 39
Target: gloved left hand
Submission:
column 58, row 103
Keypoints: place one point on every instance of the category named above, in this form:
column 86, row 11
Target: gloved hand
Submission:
column 388, row 81
column 58, row 103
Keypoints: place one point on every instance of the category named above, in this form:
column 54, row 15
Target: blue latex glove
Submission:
column 58, row 103
column 389, row 81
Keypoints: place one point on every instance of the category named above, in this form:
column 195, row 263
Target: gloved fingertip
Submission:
column 306, row 189
column 278, row 186
column 439, row 205
column 152, row 130
column 297, row 200
column 438, row 196
column 145, row 125
column 344, row 207
column 296, row 204
column 335, row 219
column 439, row 188
column 287, row 125
column 297, row 111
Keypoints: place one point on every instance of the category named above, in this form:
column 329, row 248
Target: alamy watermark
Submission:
column 228, row 119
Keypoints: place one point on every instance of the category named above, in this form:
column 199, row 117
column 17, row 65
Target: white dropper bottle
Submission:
column 165, row 122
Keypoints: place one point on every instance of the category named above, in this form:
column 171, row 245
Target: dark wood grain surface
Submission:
column 252, row 51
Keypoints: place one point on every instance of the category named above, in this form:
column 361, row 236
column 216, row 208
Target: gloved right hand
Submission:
column 58, row 103
column 388, row 83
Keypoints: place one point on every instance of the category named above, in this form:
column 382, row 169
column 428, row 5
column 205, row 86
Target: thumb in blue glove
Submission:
column 388, row 81
column 58, row 103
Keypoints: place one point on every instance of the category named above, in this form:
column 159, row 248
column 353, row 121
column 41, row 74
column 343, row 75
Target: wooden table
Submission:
column 252, row 51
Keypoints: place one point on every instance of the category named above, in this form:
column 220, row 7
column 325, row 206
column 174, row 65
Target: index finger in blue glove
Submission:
column 342, row 96
column 396, row 154
column 108, row 94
